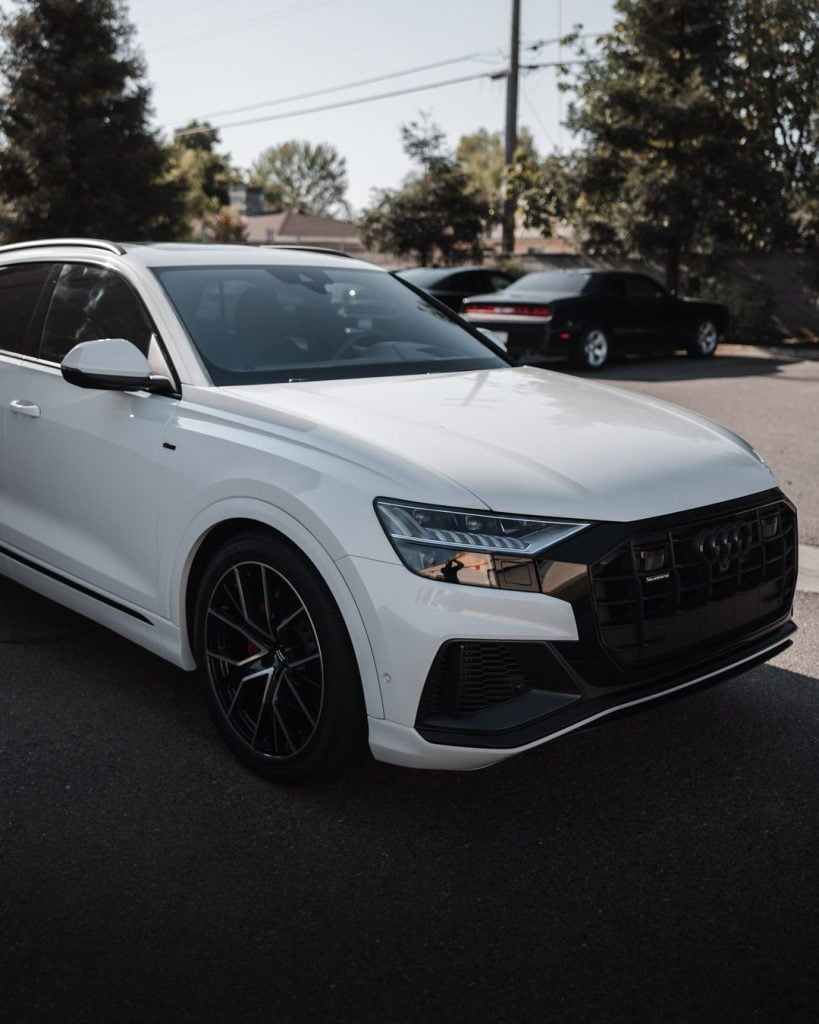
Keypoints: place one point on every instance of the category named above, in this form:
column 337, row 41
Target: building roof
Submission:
column 293, row 226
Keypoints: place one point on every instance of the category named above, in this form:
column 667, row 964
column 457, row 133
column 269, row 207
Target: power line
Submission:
column 248, row 23
column 476, row 56
column 491, row 75
column 338, row 88
column 527, row 99
column 342, row 103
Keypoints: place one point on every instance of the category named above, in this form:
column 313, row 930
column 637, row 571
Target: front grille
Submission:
column 657, row 596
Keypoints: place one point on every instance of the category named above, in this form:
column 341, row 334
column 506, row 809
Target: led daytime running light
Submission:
column 448, row 528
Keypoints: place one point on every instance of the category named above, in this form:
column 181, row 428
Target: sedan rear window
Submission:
column 265, row 324
column 551, row 284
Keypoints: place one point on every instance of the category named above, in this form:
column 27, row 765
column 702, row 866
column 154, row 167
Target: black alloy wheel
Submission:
column 280, row 676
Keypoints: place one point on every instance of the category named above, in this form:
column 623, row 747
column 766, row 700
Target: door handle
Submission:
column 23, row 408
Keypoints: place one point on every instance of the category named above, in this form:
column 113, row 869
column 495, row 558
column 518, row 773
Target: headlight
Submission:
column 474, row 548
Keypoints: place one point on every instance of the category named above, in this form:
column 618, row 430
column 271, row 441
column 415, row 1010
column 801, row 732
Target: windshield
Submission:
column 265, row 324
column 551, row 283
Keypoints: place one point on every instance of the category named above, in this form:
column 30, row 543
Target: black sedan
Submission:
column 451, row 285
column 588, row 314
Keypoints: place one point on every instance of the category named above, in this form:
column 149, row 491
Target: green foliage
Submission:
column 664, row 167
column 204, row 173
column 76, row 154
column 542, row 189
column 774, row 84
column 699, row 128
column 481, row 157
column 435, row 215
column 423, row 140
column 310, row 178
column 225, row 226
column 750, row 300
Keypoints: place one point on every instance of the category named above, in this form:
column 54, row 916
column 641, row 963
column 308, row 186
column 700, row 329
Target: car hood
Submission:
column 522, row 440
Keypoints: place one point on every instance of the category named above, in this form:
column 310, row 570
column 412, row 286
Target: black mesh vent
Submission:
column 657, row 595
column 470, row 676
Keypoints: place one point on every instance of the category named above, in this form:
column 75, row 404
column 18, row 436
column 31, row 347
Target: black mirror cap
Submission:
column 155, row 383
column 104, row 381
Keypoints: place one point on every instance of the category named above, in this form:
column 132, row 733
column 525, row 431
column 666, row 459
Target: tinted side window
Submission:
column 616, row 286
column 643, row 288
column 467, row 281
column 20, row 288
column 90, row 303
column 497, row 282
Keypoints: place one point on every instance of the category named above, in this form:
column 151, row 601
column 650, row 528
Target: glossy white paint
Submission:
column 408, row 618
column 89, row 491
column 526, row 440
column 82, row 480
column 114, row 356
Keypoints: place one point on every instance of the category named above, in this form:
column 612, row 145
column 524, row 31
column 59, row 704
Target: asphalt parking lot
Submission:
column 660, row 869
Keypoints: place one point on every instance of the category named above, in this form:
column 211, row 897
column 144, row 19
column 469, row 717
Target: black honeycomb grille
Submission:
column 656, row 596
column 472, row 676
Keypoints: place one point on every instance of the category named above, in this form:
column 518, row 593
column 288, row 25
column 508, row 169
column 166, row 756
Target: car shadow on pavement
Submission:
column 681, row 743
column 678, row 367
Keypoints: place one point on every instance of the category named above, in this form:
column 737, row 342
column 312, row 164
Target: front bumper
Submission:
column 401, row 745
column 615, row 640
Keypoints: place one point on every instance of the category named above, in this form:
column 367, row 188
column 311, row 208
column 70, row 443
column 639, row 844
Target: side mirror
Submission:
column 111, row 364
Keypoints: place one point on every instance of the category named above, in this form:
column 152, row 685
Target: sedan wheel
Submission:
column 593, row 349
column 279, row 673
column 705, row 341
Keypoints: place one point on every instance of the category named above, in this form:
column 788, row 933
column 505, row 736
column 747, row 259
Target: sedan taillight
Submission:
column 507, row 309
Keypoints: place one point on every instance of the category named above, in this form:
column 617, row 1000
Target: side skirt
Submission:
column 155, row 634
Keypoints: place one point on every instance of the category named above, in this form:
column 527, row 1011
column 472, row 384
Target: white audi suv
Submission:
column 345, row 508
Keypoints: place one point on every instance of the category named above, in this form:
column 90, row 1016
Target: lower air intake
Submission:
column 468, row 677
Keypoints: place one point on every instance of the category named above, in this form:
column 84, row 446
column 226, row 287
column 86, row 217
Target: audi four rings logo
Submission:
column 724, row 543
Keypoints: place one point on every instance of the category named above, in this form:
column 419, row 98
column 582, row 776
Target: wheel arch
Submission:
column 225, row 520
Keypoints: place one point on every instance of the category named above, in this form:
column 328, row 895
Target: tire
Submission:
column 276, row 664
column 705, row 341
column 592, row 351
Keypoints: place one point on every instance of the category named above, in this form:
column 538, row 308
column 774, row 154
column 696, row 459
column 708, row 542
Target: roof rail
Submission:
column 48, row 243
column 310, row 248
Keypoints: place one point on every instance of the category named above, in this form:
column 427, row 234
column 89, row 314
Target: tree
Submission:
column 76, row 154
column 310, row 178
column 205, row 172
column 542, row 189
column 435, row 214
column 774, row 83
column 481, row 156
column 225, row 226
column 667, row 167
column 423, row 140
column 205, row 175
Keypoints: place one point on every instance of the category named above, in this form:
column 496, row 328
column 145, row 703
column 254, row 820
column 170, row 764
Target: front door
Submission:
column 82, row 464
column 653, row 311
column 21, row 286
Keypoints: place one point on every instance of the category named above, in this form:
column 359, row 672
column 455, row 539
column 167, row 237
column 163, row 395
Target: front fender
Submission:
column 178, row 571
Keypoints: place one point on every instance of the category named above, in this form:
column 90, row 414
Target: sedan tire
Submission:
column 592, row 351
column 279, row 673
column 706, row 339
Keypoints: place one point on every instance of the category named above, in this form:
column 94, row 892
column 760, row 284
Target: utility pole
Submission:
column 508, row 244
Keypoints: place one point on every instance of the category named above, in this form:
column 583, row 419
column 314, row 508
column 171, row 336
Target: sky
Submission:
column 211, row 55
